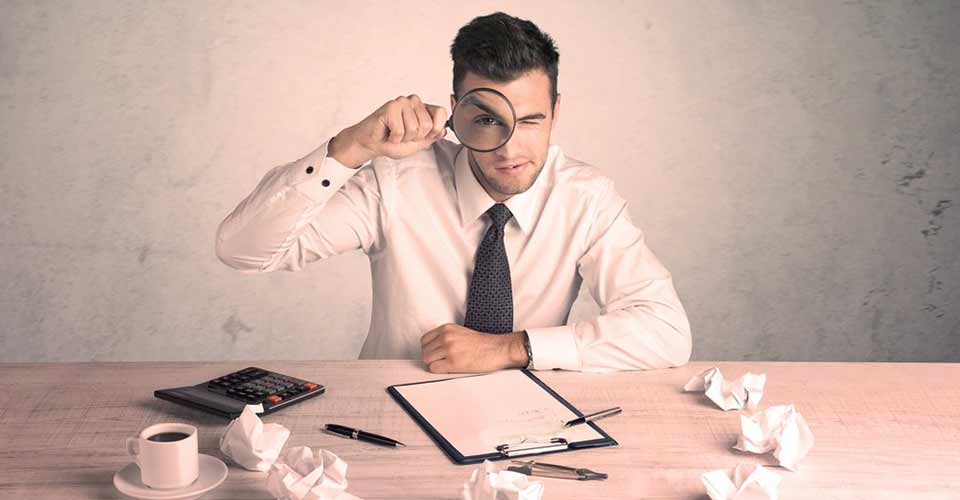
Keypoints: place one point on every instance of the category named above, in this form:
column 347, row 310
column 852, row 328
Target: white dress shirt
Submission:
column 420, row 220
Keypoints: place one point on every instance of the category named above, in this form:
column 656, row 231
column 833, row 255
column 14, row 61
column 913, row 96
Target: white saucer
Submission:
column 212, row 472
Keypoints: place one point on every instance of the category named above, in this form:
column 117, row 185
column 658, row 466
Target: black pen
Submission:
column 593, row 416
column 347, row 432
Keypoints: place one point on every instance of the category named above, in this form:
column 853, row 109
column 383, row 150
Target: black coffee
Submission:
column 167, row 437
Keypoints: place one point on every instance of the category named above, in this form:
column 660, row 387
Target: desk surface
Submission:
column 882, row 430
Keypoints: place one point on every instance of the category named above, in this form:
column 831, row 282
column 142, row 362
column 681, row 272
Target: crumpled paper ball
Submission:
column 744, row 392
column 252, row 444
column 747, row 483
column 303, row 476
column 487, row 483
column 779, row 428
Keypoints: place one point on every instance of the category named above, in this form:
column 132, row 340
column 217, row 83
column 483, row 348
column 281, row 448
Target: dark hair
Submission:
column 502, row 48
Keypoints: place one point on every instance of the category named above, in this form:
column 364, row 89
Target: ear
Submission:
column 453, row 102
column 556, row 109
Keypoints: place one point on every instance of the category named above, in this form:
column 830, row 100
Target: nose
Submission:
column 510, row 149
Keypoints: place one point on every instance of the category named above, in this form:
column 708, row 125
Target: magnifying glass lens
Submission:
column 483, row 120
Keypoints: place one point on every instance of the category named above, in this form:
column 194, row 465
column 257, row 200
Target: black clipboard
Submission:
column 502, row 452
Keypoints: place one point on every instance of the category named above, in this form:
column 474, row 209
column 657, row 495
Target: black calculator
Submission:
column 226, row 396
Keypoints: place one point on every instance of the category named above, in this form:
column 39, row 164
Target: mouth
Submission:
column 513, row 169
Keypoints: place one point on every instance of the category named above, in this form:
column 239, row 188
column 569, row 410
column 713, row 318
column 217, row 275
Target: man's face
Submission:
column 512, row 168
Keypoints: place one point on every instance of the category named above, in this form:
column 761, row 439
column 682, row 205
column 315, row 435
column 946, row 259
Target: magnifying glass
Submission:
column 483, row 119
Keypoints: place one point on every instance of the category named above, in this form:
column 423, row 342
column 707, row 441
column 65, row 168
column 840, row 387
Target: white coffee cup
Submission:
column 166, row 464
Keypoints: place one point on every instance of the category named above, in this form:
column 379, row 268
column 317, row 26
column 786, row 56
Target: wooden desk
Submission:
column 882, row 430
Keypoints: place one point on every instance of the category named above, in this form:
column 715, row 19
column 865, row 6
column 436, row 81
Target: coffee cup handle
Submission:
column 133, row 449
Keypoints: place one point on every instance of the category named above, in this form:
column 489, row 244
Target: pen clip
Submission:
column 520, row 449
column 334, row 432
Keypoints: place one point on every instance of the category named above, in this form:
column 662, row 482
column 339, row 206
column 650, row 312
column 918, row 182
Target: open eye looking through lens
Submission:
column 483, row 119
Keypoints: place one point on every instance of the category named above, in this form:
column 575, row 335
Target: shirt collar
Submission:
column 526, row 207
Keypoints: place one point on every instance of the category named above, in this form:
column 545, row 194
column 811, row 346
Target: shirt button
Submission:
column 325, row 183
column 310, row 169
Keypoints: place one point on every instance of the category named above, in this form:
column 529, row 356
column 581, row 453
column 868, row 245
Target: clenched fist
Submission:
column 453, row 348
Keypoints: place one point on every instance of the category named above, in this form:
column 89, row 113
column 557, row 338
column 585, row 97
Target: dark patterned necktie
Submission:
column 490, row 299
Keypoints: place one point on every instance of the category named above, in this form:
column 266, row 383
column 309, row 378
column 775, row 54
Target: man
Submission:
column 476, row 257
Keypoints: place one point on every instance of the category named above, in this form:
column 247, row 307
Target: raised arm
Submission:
column 326, row 203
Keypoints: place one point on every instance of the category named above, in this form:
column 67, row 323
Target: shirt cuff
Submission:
column 318, row 176
column 554, row 347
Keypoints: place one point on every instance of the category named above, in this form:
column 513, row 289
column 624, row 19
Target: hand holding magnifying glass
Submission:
column 483, row 120
column 398, row 128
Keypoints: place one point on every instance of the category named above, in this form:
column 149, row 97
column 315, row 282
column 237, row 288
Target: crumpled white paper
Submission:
column 746, row 483
column 303, row 476
column 778, row 428
column 744, row 392
column 487, row 483
column 252, row 444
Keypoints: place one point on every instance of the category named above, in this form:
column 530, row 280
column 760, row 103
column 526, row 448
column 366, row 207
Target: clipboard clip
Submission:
column 523, row 448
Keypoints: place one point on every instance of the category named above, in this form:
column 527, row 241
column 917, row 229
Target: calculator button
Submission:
column 310, row 386
column 274, row 399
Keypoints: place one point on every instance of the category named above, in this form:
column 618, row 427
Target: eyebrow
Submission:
column 535, row 116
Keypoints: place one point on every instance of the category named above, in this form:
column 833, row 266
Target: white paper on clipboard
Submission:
column 478, row 413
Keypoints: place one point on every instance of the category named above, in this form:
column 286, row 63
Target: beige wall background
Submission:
column 795, row 164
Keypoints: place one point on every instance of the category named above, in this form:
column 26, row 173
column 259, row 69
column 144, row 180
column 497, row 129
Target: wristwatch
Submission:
column 526, row 345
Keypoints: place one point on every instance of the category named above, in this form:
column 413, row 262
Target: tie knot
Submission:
column 499, row 214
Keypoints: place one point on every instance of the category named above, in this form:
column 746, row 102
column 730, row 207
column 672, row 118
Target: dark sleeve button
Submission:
column 310, row 169
column 325, row 183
